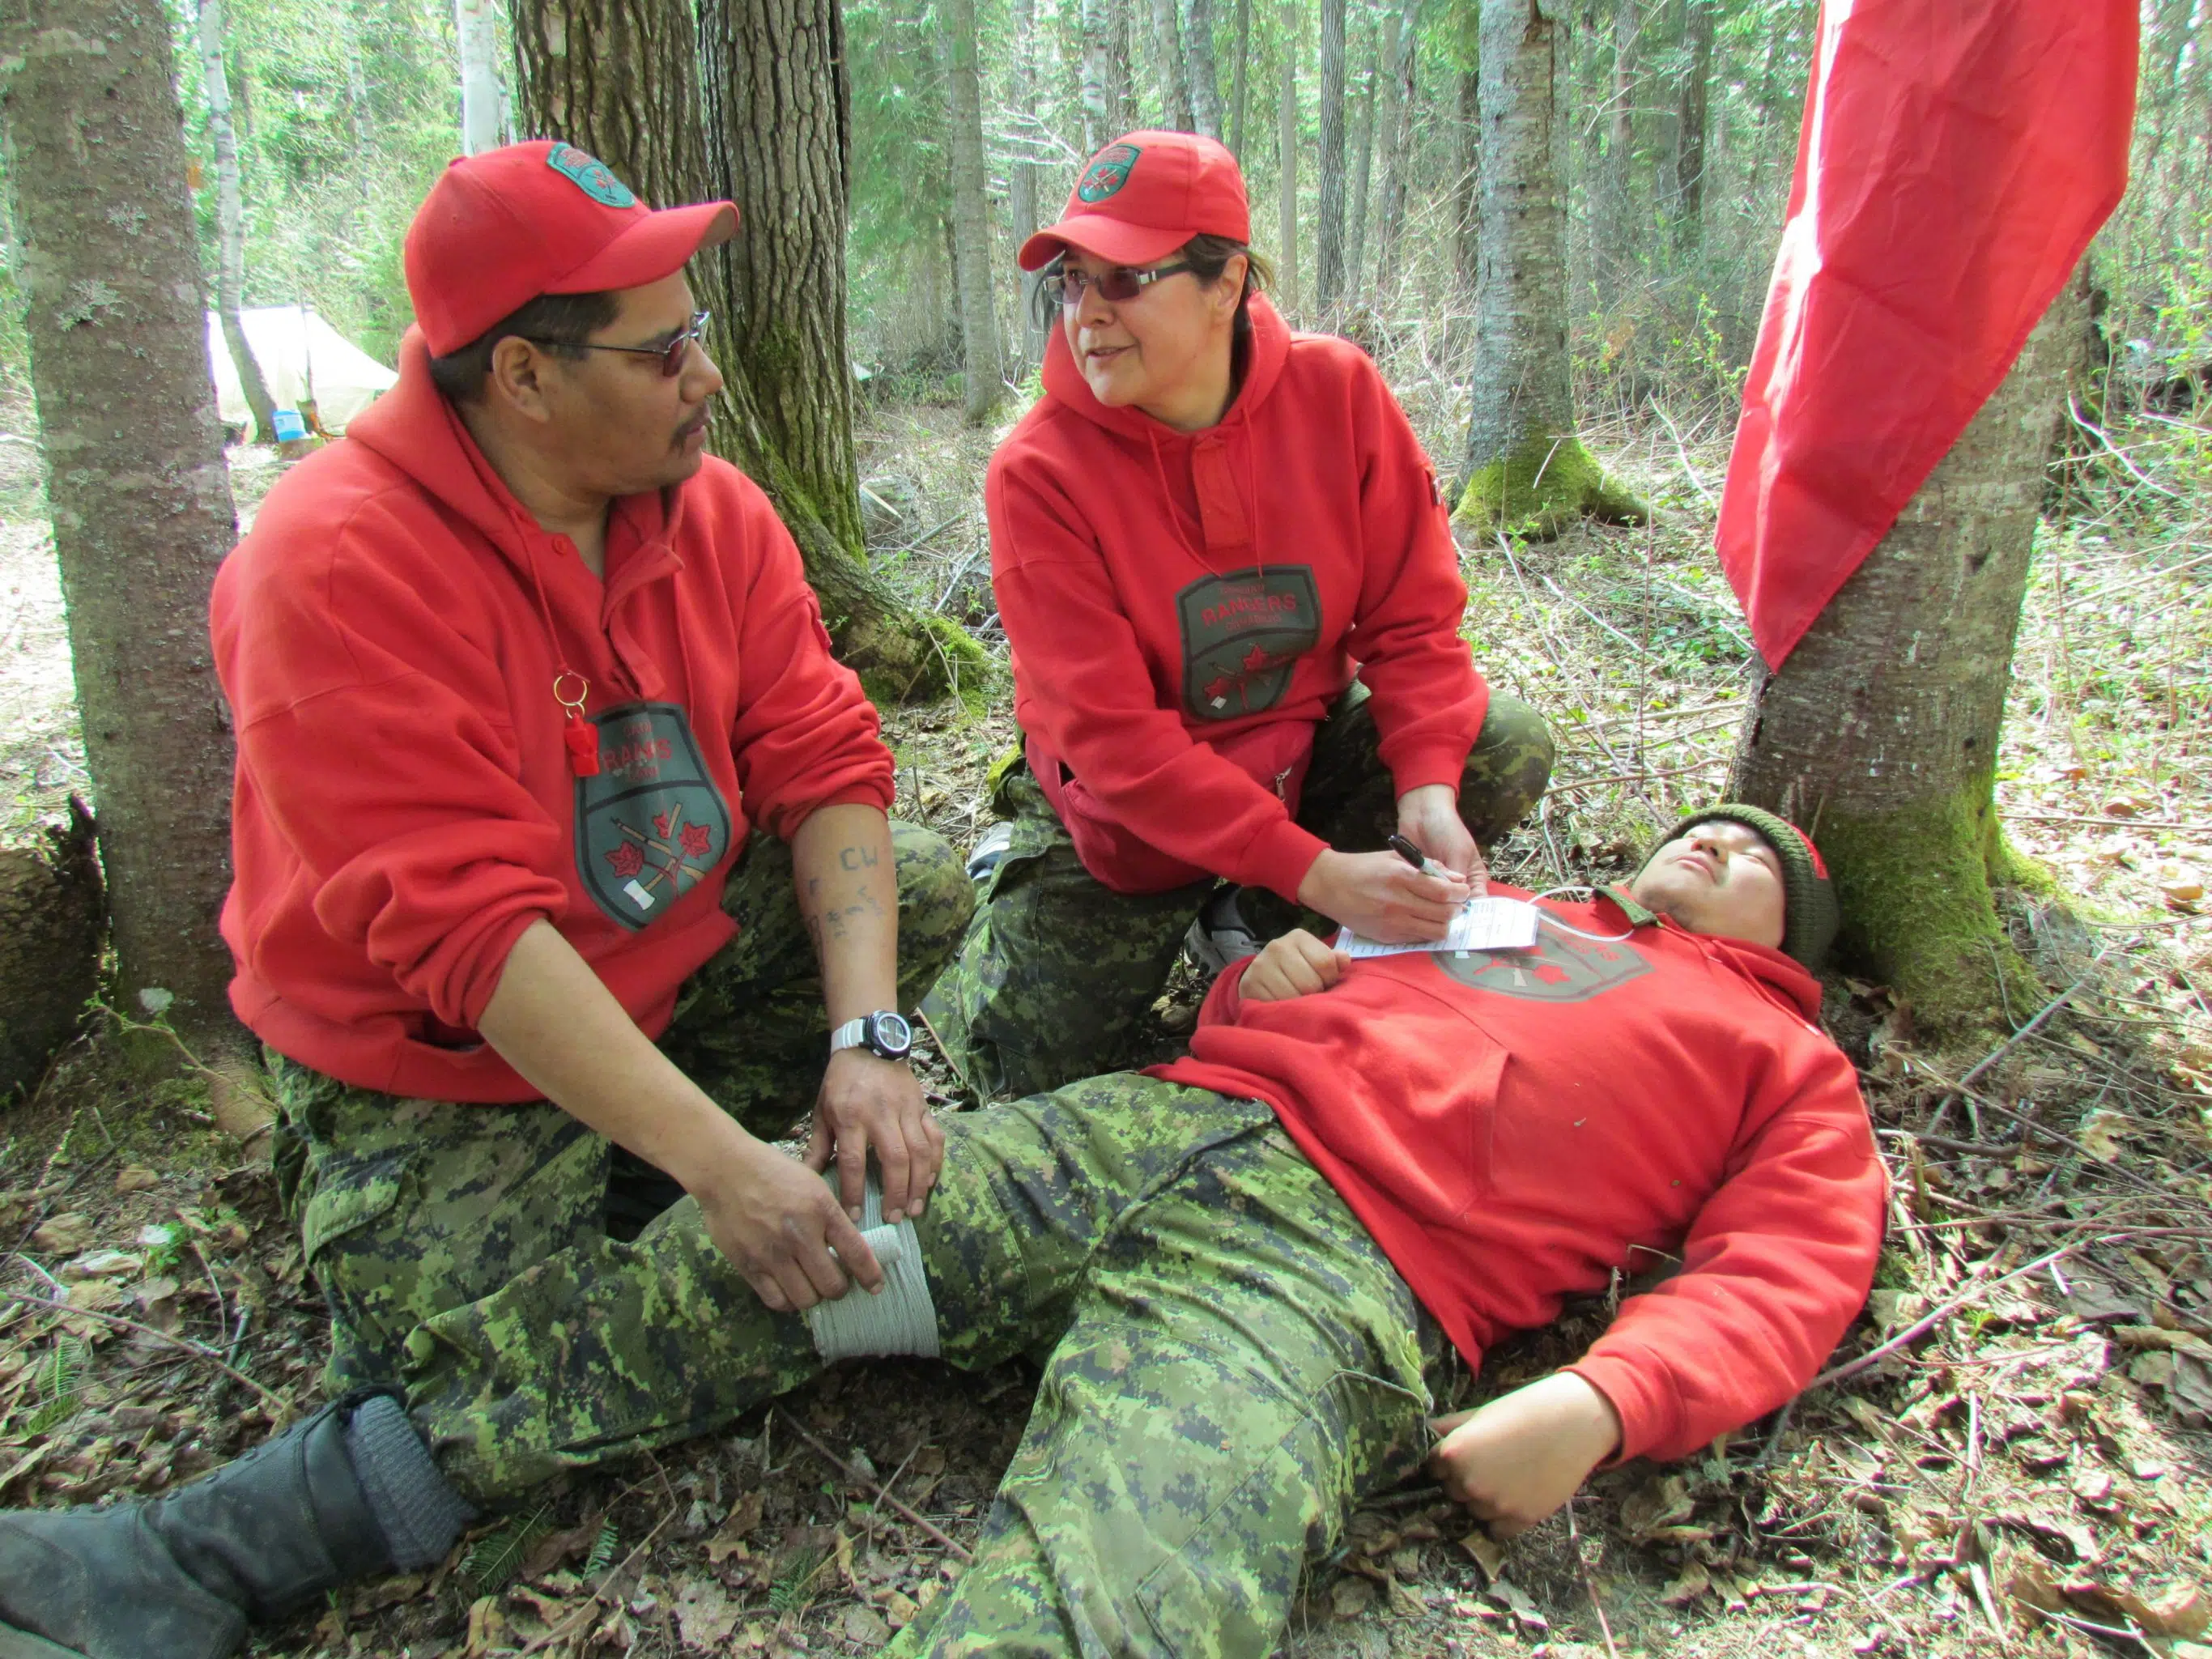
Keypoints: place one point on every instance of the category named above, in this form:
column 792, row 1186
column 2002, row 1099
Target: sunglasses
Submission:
column 672, row 355
column 1117, row 285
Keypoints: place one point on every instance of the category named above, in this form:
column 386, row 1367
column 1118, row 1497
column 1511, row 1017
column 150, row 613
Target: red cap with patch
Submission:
column 501, row 227
column 1143, row 196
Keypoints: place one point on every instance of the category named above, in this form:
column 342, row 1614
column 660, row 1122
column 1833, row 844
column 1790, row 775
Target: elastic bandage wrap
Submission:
column 902, row 1319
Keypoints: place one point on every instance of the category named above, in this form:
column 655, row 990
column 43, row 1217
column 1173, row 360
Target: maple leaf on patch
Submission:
column 1219, row 687
column 627, row 859
column 1256, row 659
column 660, row 823
column 697, row 840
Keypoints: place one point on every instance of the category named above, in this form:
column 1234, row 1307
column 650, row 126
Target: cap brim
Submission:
column 656, row 245
column 1123, row 243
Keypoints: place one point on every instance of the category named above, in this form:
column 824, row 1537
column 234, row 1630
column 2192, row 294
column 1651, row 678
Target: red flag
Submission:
column 1955, row 160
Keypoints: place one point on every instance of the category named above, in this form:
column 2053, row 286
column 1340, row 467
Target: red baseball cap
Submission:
column 504, row 225
column 1143, row 196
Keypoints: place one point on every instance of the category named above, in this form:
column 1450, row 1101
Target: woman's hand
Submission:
column 1429, row 817
column 1295, row 965
column 1381, row 897
column 1518, row 1458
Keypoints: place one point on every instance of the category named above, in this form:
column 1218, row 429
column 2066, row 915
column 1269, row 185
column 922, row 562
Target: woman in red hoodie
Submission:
column 1204, row 527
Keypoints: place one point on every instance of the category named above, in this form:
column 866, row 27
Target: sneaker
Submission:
column 1219, row 934
column 990, row 851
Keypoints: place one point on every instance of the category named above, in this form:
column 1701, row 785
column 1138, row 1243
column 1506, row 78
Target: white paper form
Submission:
column 1483, row 924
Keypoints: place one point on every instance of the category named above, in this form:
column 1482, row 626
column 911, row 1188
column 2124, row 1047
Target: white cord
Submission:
column 1595, row 938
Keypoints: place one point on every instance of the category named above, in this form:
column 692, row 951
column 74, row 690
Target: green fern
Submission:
column 61, row 1385
column 603, row 1552
column 494, row 1560
column 793, row 1586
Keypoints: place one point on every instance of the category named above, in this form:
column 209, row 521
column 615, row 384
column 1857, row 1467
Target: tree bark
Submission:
column 1397, row 139
column 476, row 37
column 622, row 79
column 1620, row 128
column 1022, row 170
column 1526, row 468
column 1097, row 99
column 1173, row 80
column 1879, row 734
column 983, row 372
column 1363, row 164
column 135, row 482
column 1466, row 197
column 1240, row 79
column 1205, row 73
column 1286, row 164
column 230, row 224
column 1690, row 123
column 1120, row 82
column 1328, row 234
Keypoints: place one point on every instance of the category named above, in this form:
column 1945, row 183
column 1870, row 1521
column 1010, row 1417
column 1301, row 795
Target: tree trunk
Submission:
column 984, row 373
column 1467, row 196
column 1205, row 73
column 1286, row 164
column 1097, row 99
column 1174, row 79
column 1879, row 734
column 1022, row 171
column 230, row 224
column 621, row 78
column 1621, row 131
column 1690, row 124
column 1328, row 235
column 475, row 36
column 135, row 482
column 1240, row 79
column 1363, row 166
column 1397, row 140
column 1121, row 83
column 1526, row 470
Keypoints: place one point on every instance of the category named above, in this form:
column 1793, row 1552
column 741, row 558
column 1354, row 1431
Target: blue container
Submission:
column 289, row 424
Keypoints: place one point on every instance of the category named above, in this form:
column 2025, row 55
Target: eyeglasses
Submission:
column 1117, row 285
column 672, row 355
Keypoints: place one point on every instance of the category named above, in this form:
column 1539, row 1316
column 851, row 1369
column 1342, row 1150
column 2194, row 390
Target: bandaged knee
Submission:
column 902, row 1318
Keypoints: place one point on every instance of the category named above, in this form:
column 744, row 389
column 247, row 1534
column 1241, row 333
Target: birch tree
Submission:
column 1205, row 72
column 230, row 223
column 1174, row 82
column 476, row 39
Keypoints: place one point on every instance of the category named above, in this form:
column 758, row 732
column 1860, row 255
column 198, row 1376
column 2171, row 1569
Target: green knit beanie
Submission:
column 1808, row 916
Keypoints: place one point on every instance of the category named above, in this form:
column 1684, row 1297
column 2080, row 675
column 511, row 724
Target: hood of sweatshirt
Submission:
column 1780, row 979
column 1267, row 349
column 414, row 428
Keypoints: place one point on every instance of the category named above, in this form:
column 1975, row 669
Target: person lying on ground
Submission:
column 1206, row 524
column 1252, row 1262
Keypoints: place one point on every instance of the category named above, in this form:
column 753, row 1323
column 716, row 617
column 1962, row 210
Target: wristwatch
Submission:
column 883, row 1032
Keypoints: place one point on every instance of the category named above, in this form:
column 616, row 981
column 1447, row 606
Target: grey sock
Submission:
column 419, row 1514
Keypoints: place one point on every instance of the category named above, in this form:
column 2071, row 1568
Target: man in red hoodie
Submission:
column 1252, row 1261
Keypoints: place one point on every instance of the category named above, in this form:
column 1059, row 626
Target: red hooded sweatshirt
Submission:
column 1515, row 1125
column 1184, row 607
column 389, row 635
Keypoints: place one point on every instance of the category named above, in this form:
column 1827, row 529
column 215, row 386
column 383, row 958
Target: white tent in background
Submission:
column 303, row 360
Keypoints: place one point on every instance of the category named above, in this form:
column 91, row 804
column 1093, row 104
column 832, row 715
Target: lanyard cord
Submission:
column 1565, row 928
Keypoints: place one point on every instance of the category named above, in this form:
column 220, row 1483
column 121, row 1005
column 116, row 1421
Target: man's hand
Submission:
column 1295, row 965
column 1429, row 817
column 1524, row 1454
column 868, row 1104
column 1382, row 897
column 775, row 1219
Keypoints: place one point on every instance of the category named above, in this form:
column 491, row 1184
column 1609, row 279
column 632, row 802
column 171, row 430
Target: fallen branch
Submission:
column 276, row 1402
column 1927, row 1322
column 2043, row 1014
column 859, row 1479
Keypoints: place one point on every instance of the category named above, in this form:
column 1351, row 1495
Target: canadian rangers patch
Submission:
column 1562, row 968
column 1243, row 635
column 1107, row 172
column 652, row 825
column 591, row 175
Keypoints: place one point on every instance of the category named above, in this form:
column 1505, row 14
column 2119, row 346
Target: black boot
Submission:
column 349, row 1493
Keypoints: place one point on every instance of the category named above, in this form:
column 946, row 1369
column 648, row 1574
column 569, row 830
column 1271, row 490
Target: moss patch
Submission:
column 917, row 658
column 1543, row 485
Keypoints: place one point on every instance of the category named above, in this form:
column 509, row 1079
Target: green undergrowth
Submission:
column 1541, row 487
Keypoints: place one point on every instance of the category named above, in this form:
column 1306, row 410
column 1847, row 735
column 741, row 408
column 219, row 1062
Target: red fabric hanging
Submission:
column 1955, row 160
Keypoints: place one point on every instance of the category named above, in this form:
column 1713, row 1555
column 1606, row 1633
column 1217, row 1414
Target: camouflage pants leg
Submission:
column 748, row 1026
column 1243, row 1366
column 1058, row 970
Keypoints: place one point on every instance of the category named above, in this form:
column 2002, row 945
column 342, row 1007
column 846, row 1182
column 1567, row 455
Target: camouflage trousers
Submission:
column 1059, row 970
column 410, row 1209
column 1238, row 1364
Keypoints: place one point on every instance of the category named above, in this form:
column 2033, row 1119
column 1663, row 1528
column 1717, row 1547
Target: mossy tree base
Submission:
column 911, row 657
column 1541, row 487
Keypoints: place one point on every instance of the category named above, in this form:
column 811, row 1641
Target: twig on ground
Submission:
column 1589, row 1584
column 2048, row 1133
column 859, row 1479
column 2048, row 1009
column 1927, row 1322
column 276, row 1402
column 570, row 1627
column 2102, row 824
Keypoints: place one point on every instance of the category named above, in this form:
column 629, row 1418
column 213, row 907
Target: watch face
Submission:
column 890, row 1036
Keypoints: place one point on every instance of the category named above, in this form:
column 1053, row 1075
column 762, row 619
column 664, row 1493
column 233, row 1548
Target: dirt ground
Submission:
column 2012, row 1453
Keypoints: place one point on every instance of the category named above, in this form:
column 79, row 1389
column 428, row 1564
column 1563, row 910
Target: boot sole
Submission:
column 22, row 1644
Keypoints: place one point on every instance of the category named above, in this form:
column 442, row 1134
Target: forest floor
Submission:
column 2016, row 1458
